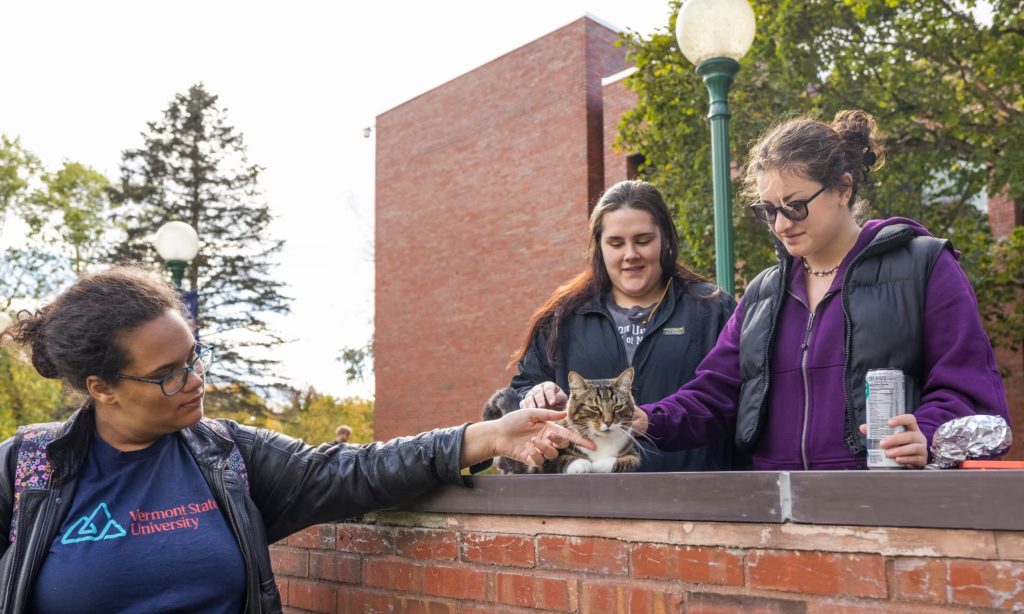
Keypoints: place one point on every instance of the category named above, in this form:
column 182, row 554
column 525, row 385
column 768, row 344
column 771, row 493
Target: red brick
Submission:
column 334, row 566
column 393, row 575
column 600, row 597
column 690, row 564
column 530, row 591
column 456, row 582
column 920, row 579
column 282, row 588
column 363, row 602
column 489, row 157
column 607, row 556
column 862, row 575
column 313, row 596
column 498, row 549
column 989, row 584
column 426, row 544
column 413, row 605
column 289, row 561
column 365, row 539
column 714, row 603
column 319, row 536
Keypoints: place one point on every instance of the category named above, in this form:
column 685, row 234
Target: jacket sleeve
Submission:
column 961, row 374
column 534, row 367
column 703, row 411
column 296, row 485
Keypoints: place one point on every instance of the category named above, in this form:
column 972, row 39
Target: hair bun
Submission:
column 870, row 158
column 28, row 331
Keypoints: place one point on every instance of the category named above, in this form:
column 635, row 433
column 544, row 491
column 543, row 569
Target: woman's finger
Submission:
column 562, row 437
column 907, row 420
column 544, row 446
column 902, row 439
column 914, row 449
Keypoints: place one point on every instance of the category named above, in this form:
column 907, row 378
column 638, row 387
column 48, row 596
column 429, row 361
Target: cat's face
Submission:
column 600, row 407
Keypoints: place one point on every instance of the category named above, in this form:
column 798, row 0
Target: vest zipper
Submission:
column 807, row 397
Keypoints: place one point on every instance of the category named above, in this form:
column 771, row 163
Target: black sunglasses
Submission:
column 794, row 210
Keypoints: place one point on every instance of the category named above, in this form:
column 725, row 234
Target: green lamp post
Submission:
column 178, row 243
column 714, row 35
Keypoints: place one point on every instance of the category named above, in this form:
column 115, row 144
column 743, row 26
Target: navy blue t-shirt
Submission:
column 144, row 535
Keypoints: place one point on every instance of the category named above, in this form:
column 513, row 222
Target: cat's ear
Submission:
column 624, row 382
column 576, row 381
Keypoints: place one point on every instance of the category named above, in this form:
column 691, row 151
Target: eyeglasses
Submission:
column 794, row 210
column 174, row 381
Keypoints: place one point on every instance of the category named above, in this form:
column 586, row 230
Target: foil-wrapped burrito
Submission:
column 969, row 437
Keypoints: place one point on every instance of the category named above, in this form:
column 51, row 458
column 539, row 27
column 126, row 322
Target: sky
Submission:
column 301, row 81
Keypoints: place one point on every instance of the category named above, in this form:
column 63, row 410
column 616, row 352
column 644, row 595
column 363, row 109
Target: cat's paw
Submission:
column 605, row 465
column 580, row 465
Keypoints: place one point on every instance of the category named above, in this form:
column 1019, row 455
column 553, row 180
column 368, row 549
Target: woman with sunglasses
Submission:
column 786, row 378
column 138, row 504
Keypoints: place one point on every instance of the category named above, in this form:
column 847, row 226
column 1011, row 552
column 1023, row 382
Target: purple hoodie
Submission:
column 961, row 373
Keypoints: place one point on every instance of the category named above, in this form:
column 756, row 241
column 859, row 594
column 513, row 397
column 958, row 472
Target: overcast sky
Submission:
column 300, row 80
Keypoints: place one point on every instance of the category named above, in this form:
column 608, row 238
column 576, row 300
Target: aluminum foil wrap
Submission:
column 969, row 437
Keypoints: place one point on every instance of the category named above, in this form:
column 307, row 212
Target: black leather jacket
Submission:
column 292, row 486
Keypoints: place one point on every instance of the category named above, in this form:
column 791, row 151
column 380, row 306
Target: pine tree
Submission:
column 193, row 168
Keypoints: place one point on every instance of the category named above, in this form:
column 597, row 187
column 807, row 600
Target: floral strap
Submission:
column 33, row 471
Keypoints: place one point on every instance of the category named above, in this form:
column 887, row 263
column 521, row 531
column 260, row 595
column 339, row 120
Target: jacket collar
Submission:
column 69, row 447
column 596, row 304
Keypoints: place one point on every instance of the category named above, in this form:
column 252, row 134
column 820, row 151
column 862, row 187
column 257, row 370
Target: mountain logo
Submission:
column 85, row 528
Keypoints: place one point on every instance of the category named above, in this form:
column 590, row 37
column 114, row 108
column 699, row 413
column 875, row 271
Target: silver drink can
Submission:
column 884, row 399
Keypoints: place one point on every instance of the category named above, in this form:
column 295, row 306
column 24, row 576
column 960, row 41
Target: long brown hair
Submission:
column 594, row 280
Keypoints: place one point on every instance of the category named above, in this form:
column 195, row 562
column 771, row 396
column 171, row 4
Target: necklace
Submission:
column 807, row 268
column 658, row 304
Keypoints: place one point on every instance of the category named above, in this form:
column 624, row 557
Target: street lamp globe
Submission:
column 707, row 29
column 176, row 242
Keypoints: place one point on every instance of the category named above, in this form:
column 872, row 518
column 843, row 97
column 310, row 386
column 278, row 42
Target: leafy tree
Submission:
column 69, row 212
column 358, row 362
column 25, row 396
column 942, row 81
column 313, row 416
column 18, row 167
column 193, row 167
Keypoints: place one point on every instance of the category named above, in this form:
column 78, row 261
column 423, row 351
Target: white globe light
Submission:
column 708, row 29
column 177, row 241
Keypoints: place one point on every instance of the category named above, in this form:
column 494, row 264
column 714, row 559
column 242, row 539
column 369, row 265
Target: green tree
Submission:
column 25, row 396
column 313, row 416
column 69, row 213
column 193, row 167
column 942, row 79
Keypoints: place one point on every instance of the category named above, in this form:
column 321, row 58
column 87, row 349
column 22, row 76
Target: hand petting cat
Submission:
column 545, row 395
column 528, row 435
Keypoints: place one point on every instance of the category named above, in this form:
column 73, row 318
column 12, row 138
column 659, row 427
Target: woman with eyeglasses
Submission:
column 787, row 376
column 138, row 504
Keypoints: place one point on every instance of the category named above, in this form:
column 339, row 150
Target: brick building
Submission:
column 483, row 189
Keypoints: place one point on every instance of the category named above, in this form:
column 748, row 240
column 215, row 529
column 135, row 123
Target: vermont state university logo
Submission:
column 86, row 528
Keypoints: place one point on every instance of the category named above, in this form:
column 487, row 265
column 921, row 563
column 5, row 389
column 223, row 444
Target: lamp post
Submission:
column 714, row 35
column 178, row 243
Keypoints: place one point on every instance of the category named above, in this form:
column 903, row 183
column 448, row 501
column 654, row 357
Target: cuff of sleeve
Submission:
column 448, row 450
column 656, row 421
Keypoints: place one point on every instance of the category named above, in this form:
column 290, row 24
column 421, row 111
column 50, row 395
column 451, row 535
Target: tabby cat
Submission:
column 600, row 410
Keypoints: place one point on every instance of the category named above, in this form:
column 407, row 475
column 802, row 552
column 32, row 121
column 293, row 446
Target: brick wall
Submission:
column 502, row 564
column 483, row 186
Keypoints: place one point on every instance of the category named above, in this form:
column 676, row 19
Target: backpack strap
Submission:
column 235, row 460
column 33, row 470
